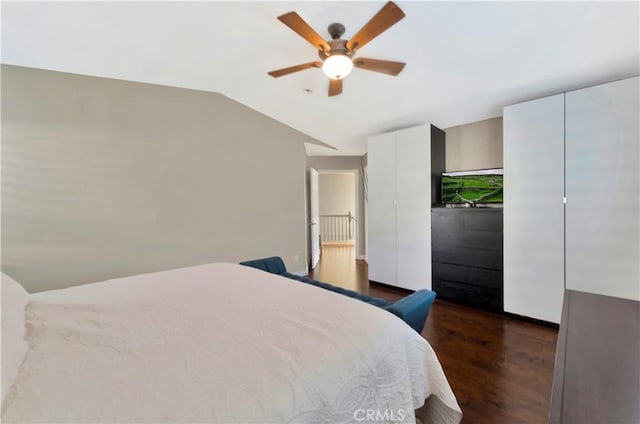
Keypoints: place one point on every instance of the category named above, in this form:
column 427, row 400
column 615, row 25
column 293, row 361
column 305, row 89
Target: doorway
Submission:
column 338, row 212
column 337, row 208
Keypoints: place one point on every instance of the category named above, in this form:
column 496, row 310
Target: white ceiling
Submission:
column 464, row 60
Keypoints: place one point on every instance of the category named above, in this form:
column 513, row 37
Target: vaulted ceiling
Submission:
column 465, row 61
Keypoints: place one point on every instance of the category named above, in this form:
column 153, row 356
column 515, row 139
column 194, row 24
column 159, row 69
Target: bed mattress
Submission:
column 220, row 343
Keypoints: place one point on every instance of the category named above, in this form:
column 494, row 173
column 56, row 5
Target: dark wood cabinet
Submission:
column 467, row 255
column 597, row 370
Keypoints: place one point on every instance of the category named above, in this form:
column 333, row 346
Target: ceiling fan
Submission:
column 337, row 54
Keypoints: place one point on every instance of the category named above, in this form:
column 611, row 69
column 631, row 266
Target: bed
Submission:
column 213, row 343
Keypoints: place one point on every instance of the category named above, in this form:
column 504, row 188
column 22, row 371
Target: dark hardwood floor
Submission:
column 500, row 368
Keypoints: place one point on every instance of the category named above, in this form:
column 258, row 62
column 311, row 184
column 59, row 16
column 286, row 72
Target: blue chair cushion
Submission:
column 412, row 309
column 274, row 265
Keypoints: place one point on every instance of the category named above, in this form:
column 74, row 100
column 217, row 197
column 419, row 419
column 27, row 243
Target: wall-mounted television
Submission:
column 472, row 187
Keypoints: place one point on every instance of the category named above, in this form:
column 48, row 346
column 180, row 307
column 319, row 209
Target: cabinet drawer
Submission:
column 488, row 259
column 469, row 219
column 482, row 297
column 469, row 239
column 484, row 221
column 474, row 276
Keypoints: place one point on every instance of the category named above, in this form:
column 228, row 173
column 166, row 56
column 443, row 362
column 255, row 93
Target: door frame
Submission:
column 314, row 256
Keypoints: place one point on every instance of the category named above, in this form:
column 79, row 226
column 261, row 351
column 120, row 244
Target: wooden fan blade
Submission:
column 335, row 87
column 383, row 20
column 385, row 66
column 292, row 69
column 296, row 23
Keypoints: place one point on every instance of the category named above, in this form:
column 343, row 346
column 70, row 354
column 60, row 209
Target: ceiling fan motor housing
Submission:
column 337, row 47
column 336, row 30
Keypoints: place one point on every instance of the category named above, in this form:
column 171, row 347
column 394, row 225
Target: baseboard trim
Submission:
column 533, row 320
column 302, row 273
column 501, row 312
column 363, row 258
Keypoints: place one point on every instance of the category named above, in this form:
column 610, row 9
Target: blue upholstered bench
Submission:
column 412, row 309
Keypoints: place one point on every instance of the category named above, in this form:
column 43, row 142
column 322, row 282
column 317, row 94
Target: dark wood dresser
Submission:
column 467, row 255
column 597, row 370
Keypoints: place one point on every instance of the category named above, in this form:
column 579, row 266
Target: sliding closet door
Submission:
column 413, row 211
column 381, row 240
column 602, row 189
column 533, row 208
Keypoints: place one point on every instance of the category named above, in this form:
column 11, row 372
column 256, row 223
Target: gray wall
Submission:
column 337, row 193
column 345, row 163
column 477, row 145
column 104, row 178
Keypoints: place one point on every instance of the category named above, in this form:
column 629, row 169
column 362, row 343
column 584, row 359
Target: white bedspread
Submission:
column 220, row 343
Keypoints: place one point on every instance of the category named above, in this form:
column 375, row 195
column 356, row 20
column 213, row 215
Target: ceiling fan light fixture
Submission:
column 335, row 54
column 337, row 66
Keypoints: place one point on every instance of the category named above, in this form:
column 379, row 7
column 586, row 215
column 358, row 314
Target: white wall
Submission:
column 104, row 178
column 337, row 193
column 477, row 145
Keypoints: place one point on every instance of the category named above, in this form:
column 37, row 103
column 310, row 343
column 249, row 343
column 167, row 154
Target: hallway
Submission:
column 338, row 266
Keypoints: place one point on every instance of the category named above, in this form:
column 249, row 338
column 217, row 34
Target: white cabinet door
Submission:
column 381, row 247
column 602, row 140
column 533, row 232
column 413, row 211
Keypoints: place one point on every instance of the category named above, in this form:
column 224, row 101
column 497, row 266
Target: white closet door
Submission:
column 381, row 247
column 603, row 210
column 533, row 231
column 413, row 211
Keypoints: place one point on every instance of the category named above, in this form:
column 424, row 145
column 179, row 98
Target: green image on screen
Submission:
column 485, row 188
